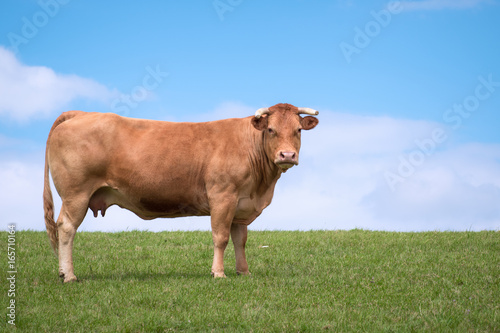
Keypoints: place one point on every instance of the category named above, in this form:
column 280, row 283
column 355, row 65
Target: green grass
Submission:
column 338, row 281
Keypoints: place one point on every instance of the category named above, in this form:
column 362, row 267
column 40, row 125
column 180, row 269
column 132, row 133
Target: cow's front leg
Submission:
column 239, row 237
column 221, row 218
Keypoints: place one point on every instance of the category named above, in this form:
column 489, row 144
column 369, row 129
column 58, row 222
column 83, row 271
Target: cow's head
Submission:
column 282, row 125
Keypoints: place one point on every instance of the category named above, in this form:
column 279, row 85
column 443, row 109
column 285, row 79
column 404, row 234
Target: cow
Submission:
column 225, row 169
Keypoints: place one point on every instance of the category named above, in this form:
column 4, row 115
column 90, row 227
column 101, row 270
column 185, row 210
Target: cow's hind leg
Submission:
column 71, row 216
column 239, row 237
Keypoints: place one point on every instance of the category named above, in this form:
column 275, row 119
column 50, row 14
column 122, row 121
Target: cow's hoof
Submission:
column 218, row 275
column 70, row 278
column 247, row 273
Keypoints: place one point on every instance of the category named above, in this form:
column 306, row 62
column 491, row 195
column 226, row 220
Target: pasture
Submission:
column 338, row 281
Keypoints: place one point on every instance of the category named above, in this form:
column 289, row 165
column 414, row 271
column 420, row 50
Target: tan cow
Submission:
column 226, row 169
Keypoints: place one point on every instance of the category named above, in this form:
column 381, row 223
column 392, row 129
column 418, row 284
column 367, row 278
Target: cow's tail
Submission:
column 48, row 207
column 48, row 202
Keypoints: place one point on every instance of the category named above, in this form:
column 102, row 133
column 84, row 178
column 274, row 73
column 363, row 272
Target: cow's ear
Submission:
column 260, row 123
column 309, row 122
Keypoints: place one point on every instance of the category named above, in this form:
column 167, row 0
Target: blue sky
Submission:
column 408, row 94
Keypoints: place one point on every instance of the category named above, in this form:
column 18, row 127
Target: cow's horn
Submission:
column 261, row 112
column 310, row 111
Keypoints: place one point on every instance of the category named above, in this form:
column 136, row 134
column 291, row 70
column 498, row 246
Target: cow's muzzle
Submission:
column 287, row 159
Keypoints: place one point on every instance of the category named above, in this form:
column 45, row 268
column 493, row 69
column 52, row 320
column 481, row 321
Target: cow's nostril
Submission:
column 288, row 156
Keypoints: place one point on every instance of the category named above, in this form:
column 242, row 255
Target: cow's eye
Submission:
column 271, row 131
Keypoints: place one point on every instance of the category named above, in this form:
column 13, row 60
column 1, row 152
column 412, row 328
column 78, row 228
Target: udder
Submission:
column 101, row 200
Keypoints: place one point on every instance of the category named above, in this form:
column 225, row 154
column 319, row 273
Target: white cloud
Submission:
column 439, row 4
column 339, row 183
column 455, row 189
column 20, row 197
column 228, row 109
column 37, row 91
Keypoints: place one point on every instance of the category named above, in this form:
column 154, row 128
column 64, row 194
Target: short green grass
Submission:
column 338, row 281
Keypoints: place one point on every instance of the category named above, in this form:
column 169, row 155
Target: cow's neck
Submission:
column 265, row 171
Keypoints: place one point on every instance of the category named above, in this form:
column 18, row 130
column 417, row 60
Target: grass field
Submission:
column 338, row 281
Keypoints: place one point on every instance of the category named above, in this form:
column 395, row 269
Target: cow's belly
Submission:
column 170, row 207
column 147, row 207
